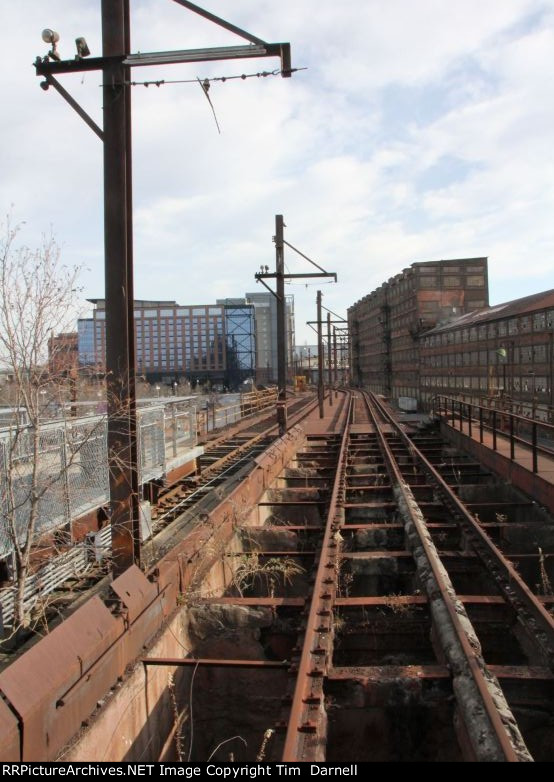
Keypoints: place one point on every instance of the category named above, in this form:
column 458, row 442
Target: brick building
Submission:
column 385, row 325
column 63, row 354
column 502, row 353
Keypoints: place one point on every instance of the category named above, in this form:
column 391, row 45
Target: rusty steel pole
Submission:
column 281, row 332
column 133, row 420
column 320, row 392
column 122, row 462
column 329, row 347
column 335, row 372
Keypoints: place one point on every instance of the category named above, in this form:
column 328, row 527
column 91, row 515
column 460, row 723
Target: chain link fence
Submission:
column 56, row 474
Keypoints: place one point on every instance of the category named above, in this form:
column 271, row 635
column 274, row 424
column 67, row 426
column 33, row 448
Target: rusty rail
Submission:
column 538, row 622
column 449, row 600
column 307, row 704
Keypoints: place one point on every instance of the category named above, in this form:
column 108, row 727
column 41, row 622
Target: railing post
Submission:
column 66, row 489
column 494, row 430
column 535, row 455
column 174, row 429
column 469, row 414
column 512, row 441
column 480, row 424
column 461, row 415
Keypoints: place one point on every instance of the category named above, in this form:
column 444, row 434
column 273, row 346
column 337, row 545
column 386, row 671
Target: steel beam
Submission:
column 122, row 464
column 281, row 319
column 215, row 663
column 329, row 348
column 320, row 391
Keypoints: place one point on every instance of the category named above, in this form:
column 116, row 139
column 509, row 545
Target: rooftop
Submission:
column 536, row 301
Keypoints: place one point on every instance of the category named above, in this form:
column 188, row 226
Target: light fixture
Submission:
column 51, row 37
column 82, row 48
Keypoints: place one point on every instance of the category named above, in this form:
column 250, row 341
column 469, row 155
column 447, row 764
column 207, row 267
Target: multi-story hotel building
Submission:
column 225, row 342
column 202, row 342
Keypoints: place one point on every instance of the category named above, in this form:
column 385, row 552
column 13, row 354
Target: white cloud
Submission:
column 394, row 90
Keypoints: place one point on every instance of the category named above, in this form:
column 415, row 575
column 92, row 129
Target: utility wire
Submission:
column 243, row 76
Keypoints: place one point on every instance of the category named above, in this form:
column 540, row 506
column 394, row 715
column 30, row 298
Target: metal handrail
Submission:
column 456, row 409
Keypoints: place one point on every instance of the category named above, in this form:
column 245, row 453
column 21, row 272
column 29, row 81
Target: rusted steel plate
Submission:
column 34, row 684
column 78, row 703
column 168, row 581
column 143, row 629
column 135, row 591
column 73, row 708
column 9, row 735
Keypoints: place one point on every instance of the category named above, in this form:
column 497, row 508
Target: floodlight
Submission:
column 50, row 36
column 82, row 48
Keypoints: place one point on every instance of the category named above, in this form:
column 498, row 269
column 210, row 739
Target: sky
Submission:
column 419, row 130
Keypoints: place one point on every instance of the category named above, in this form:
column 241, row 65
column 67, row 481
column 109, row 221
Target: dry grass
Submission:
column 270, row 574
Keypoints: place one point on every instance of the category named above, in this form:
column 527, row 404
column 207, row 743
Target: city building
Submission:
column 198, row 343
column 226, row 343
column 63, row 354
column 240, row 340
column 503, row 354
column 385, row 326
column 265, row 313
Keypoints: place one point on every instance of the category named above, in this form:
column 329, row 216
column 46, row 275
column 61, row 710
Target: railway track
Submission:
column 386, row 599
column 226, row 454
column 418, row 616
column 410, row 587
column 222, row 459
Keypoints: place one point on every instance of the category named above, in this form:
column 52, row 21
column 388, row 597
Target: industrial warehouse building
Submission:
column 385, row 326
column 430, row 331
column 502, row 353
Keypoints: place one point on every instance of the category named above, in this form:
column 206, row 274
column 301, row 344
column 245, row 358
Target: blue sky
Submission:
column 420, row 130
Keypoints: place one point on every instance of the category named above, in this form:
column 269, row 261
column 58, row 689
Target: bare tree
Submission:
column 38, row 297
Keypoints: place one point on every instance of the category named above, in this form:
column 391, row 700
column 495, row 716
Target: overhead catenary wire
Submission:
column 242, row 76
